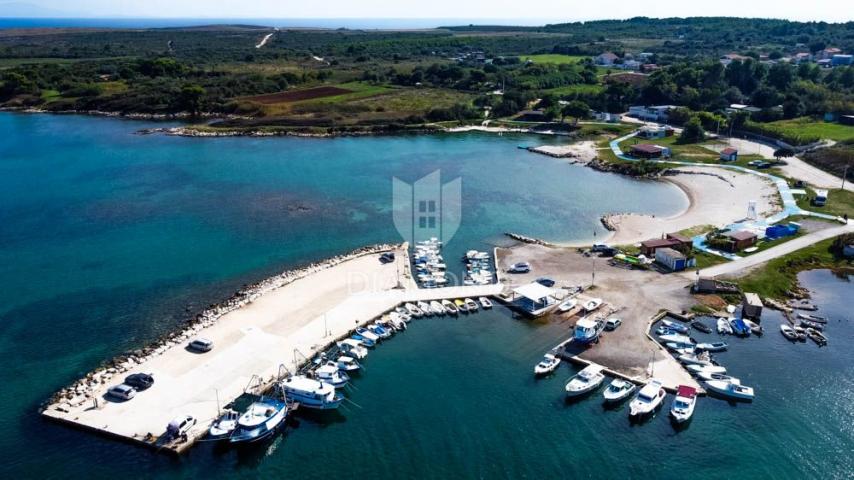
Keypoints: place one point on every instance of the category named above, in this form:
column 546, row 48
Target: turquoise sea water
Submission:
column 109, row 238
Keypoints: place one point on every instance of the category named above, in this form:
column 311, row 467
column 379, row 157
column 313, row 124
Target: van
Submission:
column 122, row 392
column 201, row 345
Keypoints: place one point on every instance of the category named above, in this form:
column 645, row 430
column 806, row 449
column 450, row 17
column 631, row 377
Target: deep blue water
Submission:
column 109, row 238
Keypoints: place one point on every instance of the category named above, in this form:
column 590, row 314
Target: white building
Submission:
column 657, row 113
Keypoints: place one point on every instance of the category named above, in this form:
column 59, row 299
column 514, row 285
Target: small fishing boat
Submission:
column 682, row 407
column 587, row 330
column 311, row 393
column 547, row 365
column 331, row 374
column 754, row 327
column 739, row 328
column 347, row 364
column 715, row 376
column 730, row 389
column 663, row 330
column 437, row 308
column 810, row 324
column 618, row 390
column 368, row 335
column 224, row 425
column 648, row 399
column 567, row 305
column 260, row 421
column 379, row 330
column 367, row 342
column 676, row 338
column 521, row 267
column 414, row 310
column 592, row 304
column 353, row 348
column 812, row 318
column 696, row 359
column 713, row 346
column 697, row 369
column 817, row 337
column 485, row 303
column 449, row 307
column 679, row 346
column 425, row 308
column 802, row 333
column 461, row 305
column 685, row 351
column 402, row 314
column 701, row 326
column 788, row 332
column 585, row 381
column 471, row 305
column 724, row 327
column 675, row 326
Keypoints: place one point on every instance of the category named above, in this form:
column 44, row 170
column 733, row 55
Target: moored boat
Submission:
column 353, row 348
column 224, row 425
column 788, row 332
column 697, row 369
column 547, row 365
column 724, row 328
column 260, row 421
column 331, row 374
column 715, row 376
column 449, row 307
column 813, row 325
column 485, row 303
column 701, row 326
column 732, row 389
column 425, row 308
column 682, row 407
column 471, row 305
column 311, row 393
column 413, row 310
column 802, row 333
column 437, row 308
column 812, row 318
column 368, row 335
column 347, row 364
column 713, row 346
column 754, row 327
column 461, row 305
column 696, row 359
column 739, row 327
column 817, row 337
column 585, row 381
column 676, row 338
column 648, row 399
column 675, row 326
column 618, row 390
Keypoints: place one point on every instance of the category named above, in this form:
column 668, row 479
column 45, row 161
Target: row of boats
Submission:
column 429, row 265
column 478, row 268
column 808, row 326
column 645, row 400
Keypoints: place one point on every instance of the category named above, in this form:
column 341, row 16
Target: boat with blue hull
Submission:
column 260, row 421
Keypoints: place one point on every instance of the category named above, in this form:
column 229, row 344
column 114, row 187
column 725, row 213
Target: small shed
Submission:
column 751, row 307
column 672, row 259
column 729, row 154
column 533, row 298
column 646, row 150
column 740, row 240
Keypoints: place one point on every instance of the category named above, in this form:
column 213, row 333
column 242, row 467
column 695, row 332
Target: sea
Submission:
column 109, row 238
column 326, row 23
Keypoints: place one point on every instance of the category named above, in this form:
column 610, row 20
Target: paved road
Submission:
column 780, row 250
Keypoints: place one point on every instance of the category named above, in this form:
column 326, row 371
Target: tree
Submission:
column 692, row 132
column 191, row 98
column 783, row 153
column 576, row 109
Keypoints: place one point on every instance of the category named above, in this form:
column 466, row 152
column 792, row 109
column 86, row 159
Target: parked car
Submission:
column 612, row 324
column 201, row 345
column 546, row 282
column 180, row 426
column 122, row 392
column 387, row 257
column 139, row 381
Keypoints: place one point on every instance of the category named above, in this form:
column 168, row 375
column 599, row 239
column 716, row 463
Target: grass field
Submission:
column 412, row 101
column 552, row 58
column 808, row 127
column 839, row 202
column 584, row 88
column 689, row 152
column 779, row 275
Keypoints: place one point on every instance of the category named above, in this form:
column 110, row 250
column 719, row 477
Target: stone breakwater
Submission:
column 529, row 240
column 81, row 390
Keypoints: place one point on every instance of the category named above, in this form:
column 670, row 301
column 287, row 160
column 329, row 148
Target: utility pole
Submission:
column 844, row 175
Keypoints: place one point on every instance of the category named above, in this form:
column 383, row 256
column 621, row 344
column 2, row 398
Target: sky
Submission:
column 515, row 11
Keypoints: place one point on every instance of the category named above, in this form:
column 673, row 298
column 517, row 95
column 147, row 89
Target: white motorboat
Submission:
column 331, row 374
column 368, row 334
column 485, row 303
column 754, row 327
column 353, row 348
column 697, row 369
column 648, row 399
column 713, row 346
column 676, row 338
column 675, row 326
column 592, row 304
column 450, row 307
column 695, row 359
column 715, row 376
column 724, row 328
column 788, row 332
column 224, row 425
column 802, row 333
column 398, row 325
column 682, row 407
column 260, row 421
column 437, row 308
column 425, row 308
column 732, row 389
column 471, row 305
column 618, row 390
column 311, row 393
column 585, row 381
column 817, row 337
column 347, row 364
column 414, row 310
column 681, row 348
column 403, row 313
column 587, row 330
column 567, row 305
column 547, row 365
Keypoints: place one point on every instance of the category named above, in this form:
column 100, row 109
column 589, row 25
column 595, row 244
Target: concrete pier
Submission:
column 252, row 345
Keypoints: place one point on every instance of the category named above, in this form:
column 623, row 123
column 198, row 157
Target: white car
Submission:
column 180, row 426
column 613, row 323
column 201, row 345
column 122, row 392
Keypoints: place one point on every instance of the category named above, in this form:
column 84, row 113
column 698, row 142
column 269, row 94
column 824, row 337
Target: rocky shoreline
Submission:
column 331, row 132
column 81, row 390
column 129, row 116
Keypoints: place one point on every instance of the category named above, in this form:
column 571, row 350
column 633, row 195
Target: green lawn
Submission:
column 584, row 88
column 705, row 260
column 552, row 58
column 808, row 127
column 779, row 275
column 689, row 152
column 839, row 202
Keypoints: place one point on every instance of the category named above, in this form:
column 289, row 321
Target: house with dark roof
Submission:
column 740, row 240
column 646, row 150
column 673, row 241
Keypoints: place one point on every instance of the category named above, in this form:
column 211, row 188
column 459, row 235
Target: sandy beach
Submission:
column 716, row 197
